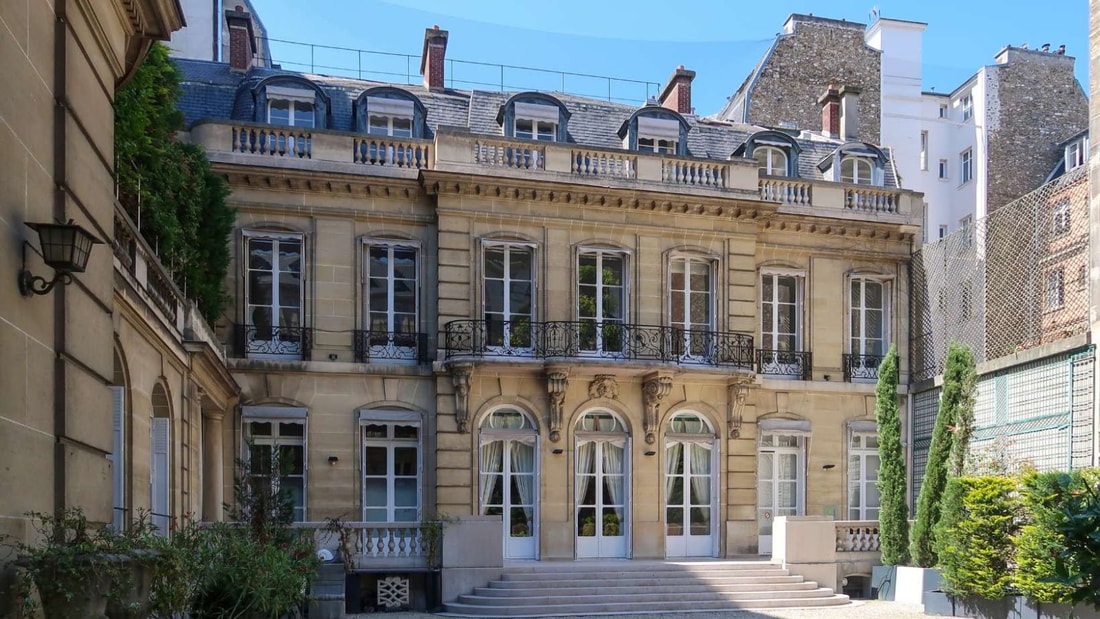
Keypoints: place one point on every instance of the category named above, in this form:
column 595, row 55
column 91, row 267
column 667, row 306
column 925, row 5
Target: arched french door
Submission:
column 602, row 481
column 690, row 487
column 508, row 483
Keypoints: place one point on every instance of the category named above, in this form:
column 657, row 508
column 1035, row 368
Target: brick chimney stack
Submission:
column 242, row 40
column 849, row 112
column 830, row 112
column 676, row 95
column 433, row 57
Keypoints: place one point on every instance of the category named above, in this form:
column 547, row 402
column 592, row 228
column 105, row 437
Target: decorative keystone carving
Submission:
column 460, row 378
column 557, row 381
column 603, row 386
column 654, row 390
column 737, row 393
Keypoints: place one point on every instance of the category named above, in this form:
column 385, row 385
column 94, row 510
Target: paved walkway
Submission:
column 857, row 610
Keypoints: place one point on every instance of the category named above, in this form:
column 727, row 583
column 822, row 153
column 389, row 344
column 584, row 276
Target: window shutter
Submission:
column 117, row 457
column 159, row 474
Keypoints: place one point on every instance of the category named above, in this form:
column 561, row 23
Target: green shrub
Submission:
column 893, row 518
column 974, row 537
column 944, row 458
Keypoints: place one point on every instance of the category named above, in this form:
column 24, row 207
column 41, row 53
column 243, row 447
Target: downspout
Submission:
column 60, row 125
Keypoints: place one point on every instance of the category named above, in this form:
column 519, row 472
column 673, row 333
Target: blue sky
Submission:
column 642, row 40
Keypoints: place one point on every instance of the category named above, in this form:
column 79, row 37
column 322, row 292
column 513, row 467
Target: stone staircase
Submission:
column 605, row 587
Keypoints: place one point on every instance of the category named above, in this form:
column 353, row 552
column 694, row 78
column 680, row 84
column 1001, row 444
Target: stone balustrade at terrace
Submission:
column 458, row 150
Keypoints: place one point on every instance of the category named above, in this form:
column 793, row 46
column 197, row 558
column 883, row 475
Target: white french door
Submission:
column 689, row 498
column 392, row 301
column 509, row 488
column 780, row 483
column 691, row 308
column 780, row 332
column 602, row 502
column 509, row 296
column 601, row 306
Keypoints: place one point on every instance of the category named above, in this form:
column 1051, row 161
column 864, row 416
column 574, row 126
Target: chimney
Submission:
column 242, row 41
column 676, row 95
column 849, row 112
column 830, row 111
column 433, row 56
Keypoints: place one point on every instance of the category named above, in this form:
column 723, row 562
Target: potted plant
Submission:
column 72, row 568
column 611, row 525
column 588, row 527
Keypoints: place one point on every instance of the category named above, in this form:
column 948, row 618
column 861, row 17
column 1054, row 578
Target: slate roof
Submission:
column 210, row 90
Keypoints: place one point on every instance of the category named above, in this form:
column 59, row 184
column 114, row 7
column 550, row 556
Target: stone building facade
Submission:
column 810, row 54
column 615, row 331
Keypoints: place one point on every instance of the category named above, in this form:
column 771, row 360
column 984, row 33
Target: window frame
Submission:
column 861, row 452
column 767, row 167
column 1054, row 293
column 857, row 161
column 944, row 110
column 600, row 252
column 491, row 245
column 711, row 265
column 1076, row 153
column 945, row 169
column 293, row 97
column 887, row 310
column 966, row 102
column 799, row 277
column 276, row 237
column 291, row 417
column 369, row 243
column 657, row 135
column 966, row 166
column 390, row 418
column 1060, row 224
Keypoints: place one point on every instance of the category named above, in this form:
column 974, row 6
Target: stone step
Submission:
column 643, row 581
column 599, row 597
column 566, row 607
column 626, row 565
column 498, row 589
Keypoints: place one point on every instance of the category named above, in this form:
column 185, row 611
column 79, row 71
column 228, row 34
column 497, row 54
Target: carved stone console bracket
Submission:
column 603, row 386
column 557, row 381
column 737, row 393
column 460, row 378
column 655, row 389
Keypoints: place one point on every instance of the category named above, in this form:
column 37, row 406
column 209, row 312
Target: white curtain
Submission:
column 674, row 455
column 700, row 474
column 613, row 466
column 523, row 468
column 585, row 451
column 491, row 453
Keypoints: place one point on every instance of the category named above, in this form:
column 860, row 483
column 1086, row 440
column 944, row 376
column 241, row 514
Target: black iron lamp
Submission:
column 65, row 249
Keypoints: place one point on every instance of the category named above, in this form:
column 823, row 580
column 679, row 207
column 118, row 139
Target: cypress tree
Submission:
column 893, row 520
column 944, row 458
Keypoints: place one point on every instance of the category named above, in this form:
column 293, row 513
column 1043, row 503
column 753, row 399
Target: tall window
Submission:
column 1056, row 292
column 1076, row 153
column 856, row 170
column 943, row 169
column 966, row 166
column 868, row 317
column 391, row 471
column 601, row 300
column 863, row 465
column 780, row 309
column 277, row 458
column 771, row 160
column 509, row 295
column 1059, row 224
column 273, row 293
column 967, row 105
column 924, row 150
column 691, row 303
column 392, row 295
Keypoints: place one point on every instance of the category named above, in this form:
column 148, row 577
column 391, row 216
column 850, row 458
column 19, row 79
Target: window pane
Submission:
column 259, row 428
column 494, row 296
column 375, row 431
column 873, row 292
column 278, row 112
column 586, row 302
column 292, row 459
column 494, row 263
column 259, row 254
column 406, row 432
column 612, row 270
column 405, row 515
column 379, row 125
column 520, row 298
column 404, row 461
column 402, row 127
column 524, row 129
column 375, row 461
column 375, row 493
column 379, row 262
column 404, row 490
column 303, row 114
column 520, row 264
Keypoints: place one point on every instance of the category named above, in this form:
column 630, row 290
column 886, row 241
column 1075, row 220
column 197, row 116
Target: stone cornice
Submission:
column 870, row 230
column 211, row 374
column 542, row 190
column 288, row 179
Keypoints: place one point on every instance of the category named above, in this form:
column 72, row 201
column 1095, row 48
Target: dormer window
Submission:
column 1076, row 153
column 290, row 107
column 536, row 121
column 390, row 117
column 772, row 160
column 534, row 116
column 857, row 170
column 658, row 135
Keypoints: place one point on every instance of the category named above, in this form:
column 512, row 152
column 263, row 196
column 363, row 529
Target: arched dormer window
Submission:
column 776, row 153
column 534, row 116
column 654, row 129
column 855, row 162
column 290, row 101
column 390, row 112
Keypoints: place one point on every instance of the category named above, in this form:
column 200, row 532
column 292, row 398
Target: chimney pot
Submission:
column 676, row 95
column 849, row 112
column 242, row 40
column 433, row 57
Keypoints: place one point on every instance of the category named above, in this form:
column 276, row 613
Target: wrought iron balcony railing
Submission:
column 861, row 367
column 600, row 340
column 274, row 342
column 370, row 346
column 796, row 364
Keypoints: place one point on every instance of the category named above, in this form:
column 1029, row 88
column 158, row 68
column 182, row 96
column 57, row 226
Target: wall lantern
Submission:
column 65, row 249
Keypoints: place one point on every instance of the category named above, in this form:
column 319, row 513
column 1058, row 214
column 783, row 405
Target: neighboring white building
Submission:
column 206, row 35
